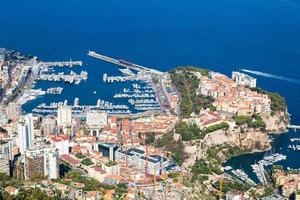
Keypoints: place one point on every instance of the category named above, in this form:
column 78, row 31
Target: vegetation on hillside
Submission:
column 216, row 127
column 175, row 147
column 34, row 194
column 254, row 121
column 229, row 185
column 201, row 167
column 31, row 193
column 203, row 71
column 188, row 132
column 187, row 84
column 91, row 184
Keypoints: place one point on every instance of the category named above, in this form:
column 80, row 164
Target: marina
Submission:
column 259, row 171
column 240, row 174
column 295, row 139
column 294, row 147
column 101, row 105
column 29, row 95
column 268, row 160
column 272, row 159
column 71, row 78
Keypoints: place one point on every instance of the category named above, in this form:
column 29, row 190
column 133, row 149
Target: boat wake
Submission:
column 271, row 76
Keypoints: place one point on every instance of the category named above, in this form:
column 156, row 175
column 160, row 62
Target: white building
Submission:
column 96, row 119
column 42, row 160
column 61, row 142
column 136, row 158
column 156, row 164
column 133, row 156
column 25, row 133
column 243, row 79
column 5, row 152
column 64, row 116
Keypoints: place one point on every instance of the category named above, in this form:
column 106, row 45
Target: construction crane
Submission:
column 141, row 194
column 154, row 181
column 221, row 187
column 126, row 158
column 162, row 171
column 120, row 138
column 147, row 155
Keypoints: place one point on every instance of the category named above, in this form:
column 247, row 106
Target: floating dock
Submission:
column 62, row 64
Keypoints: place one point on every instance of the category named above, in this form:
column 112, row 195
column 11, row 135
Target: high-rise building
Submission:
column 64, row 116
column 48, row 125
column 4, row 157
column 25, row 133
column 13, row 111
column 43, row 160
column 18, row 170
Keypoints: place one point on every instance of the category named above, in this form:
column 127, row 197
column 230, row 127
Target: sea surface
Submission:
column 262, row 37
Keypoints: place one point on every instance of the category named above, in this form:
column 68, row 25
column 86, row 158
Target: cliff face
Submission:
column 247, row 140
column 276, row 123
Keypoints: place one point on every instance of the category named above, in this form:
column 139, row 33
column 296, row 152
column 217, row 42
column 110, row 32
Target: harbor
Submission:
column 101, row 105
column 138, row 91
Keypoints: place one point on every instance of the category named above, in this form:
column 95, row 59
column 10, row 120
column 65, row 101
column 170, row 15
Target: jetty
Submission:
column 62, row 64
column 293, row 126
column 123, row 63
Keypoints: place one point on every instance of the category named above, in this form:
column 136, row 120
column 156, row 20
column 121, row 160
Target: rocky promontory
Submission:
column 218, row 113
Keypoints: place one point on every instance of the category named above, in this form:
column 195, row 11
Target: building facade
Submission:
column 4, row 157
column 41, row 160
column 48, row 125
column 61, row 142
column 25, row 133
column 64, row 116
column 13, row 111
column 243, row 79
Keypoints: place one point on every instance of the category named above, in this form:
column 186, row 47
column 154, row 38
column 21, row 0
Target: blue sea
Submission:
column 262, row 36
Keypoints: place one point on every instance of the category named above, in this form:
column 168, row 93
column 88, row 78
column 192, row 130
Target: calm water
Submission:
column 221, row 35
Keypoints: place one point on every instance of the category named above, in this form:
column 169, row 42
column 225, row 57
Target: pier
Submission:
column 294, row 126
column 262, row 172
column 62, row 64
column 123, row 63
column 68, row 78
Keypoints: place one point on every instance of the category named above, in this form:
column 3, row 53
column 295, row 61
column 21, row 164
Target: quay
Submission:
column 123, row 63
column 62, row 64
column 262, row 173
